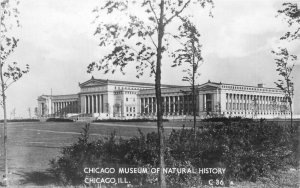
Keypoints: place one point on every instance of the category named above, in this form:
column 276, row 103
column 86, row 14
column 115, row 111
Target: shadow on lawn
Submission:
column 37, row 178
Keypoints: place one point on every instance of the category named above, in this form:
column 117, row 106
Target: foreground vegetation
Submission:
column 250, row 151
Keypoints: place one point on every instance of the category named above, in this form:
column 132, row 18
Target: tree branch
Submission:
column 154, row 13
column 177, row 13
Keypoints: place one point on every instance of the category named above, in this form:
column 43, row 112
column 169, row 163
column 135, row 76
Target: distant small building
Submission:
column 102, row 98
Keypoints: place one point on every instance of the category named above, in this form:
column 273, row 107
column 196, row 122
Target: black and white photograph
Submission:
column 150, row 93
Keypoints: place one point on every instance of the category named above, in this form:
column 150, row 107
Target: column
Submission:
column 101, row 103
column 154, row 105
column 165, row 105
column 231, row 103
column 142, row 106
column 169, row 105
column 89, row 104
column 67, row 107
column 71, row 106
column 238, row 102
column 97, row 103
column 147, row 105
column 150, row 105
column 174, row 105
column 54, row 108
column 204, row 103
column 63, row 108
column 183, row 105
column 85, row 104
column 92, row 103
column 264, row 104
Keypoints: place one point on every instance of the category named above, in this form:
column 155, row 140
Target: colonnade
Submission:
column 172, row 105
column 93, row 104
column 258, row 104
column 64, row 107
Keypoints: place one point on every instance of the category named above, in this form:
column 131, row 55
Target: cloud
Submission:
column 57, row 40
column 236, row 25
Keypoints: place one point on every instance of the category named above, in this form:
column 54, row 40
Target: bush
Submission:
column 248, row 150
column 228, row 120
column 21, row 120
column 58, row 120
column 128, row 120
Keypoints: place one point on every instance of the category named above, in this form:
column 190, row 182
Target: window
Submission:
column 126, row 99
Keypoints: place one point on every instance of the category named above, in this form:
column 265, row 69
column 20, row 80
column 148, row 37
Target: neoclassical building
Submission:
column 100, row 98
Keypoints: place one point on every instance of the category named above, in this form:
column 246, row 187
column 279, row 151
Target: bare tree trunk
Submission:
column 194, row 107
column 291, row 110
column 193, row 88
column 4, row 124
column 160, row 127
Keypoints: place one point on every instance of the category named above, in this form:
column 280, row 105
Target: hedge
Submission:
column 58, row 120
column 248, row 150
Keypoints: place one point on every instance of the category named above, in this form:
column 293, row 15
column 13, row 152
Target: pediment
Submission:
column 93, row 82
column 208, row 87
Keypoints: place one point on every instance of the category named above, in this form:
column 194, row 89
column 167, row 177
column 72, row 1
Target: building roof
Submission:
column 240, row 87
column 58, row 97
column 106, row 81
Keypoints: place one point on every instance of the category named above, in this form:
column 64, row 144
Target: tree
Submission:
column 141, row 39
column 284, row 59
column 291, row 14
column 189, row 56
column 285, row 63
column 9, row 72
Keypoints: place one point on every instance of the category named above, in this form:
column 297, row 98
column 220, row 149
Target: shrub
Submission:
column 228, row 120
column 247, row 150
column 21, row 120
column 128, row 120
column 58, row 120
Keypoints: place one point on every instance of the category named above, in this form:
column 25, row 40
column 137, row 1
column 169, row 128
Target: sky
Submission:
column 57, row 41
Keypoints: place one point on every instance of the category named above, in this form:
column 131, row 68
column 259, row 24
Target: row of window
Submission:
column 249, row 106
column 127, row 99
column 231, row 96
column 249, row 88
column 130, row 88
column 259, row 113
column 130, row 109
column 125, row 92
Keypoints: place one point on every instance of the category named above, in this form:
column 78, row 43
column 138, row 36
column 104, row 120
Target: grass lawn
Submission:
column 32, row 144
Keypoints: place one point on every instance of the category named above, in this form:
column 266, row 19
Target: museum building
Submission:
column 102, row 98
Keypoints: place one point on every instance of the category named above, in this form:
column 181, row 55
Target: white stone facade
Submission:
column 122, row 99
